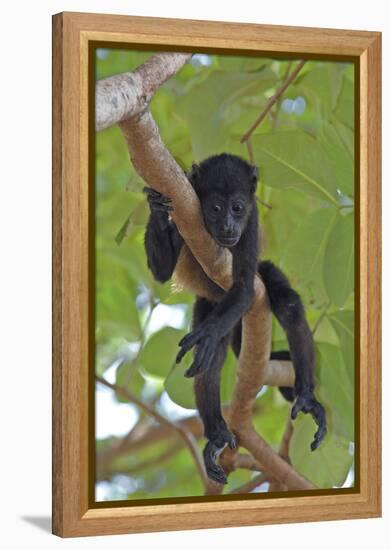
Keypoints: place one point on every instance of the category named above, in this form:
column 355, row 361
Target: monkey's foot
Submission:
column 211, row 453
column 207, row 340
column 307, row 403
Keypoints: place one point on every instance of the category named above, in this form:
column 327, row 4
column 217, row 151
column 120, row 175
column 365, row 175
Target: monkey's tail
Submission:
column 278, row 290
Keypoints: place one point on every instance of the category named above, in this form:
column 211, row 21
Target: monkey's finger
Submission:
column 297, row 407
column 318, row 438
column 191, row 339
column 162, row 208
column 155, row 196
column 181, row 355
column 194, row 370
column 204, row 351
column 217, row 474
column 197, row 368
column 182, row 352
column 319, row 416
column 213, row 470
column 232, row 442
column 161, row 199
column 150, row 191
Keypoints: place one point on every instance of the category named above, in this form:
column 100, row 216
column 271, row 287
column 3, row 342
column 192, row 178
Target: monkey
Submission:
column 225, row 185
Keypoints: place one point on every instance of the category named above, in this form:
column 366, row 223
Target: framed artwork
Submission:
column 216, row 274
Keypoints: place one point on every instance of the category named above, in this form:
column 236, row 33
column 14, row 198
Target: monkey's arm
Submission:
column 232, row 307
column 162, row 239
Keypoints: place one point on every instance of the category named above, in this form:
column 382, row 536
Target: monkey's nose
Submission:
column 228, row 230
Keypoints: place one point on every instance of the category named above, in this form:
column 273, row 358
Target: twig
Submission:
column 286, row 439
column 250, row 485
column 272, row 100
column 250, row 151
column 187, row 437
column 275, row 466
column 269, row 206
column 140, row 466
column 275, row 484
column 278, row 104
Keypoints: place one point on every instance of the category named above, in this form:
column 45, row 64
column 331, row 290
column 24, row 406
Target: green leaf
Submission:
column 338, row 268
column 340, row 155
column 128, row 377
column 288, row 211
column 304, row 257
column 228, row 377
column 272, row 416
column 179, row 388
column 329, row 465
column 158, row 354
column 336, row 390
column 295, row 159
column 344, row 110
column 108, row 352
column 323, row 84
column 137, row 217
column 343, row 324
column 123, row 231
column 116, row 313
column 206, row 105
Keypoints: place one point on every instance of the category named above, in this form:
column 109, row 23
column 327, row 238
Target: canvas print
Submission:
column 239, row 379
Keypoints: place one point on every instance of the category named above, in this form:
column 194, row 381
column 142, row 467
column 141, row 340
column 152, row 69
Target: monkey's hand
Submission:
column 159, row 205
column 212, row 451
column 307, row 403
column 207, row 339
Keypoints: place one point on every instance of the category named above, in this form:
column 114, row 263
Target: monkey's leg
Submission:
column 162, row 239
column 286, row 305
column 207, row 392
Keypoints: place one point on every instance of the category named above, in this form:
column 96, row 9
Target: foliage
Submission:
column 305, row 152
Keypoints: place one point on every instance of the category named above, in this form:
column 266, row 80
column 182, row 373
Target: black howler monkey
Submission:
column 225, row 185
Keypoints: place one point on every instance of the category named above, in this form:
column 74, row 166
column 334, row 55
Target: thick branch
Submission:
column 279, row 373
column 125, row 95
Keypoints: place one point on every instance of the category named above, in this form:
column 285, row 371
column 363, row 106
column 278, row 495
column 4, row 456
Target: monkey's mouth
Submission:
column 227, row 242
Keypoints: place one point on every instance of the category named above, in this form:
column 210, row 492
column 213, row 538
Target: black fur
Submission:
column 225, row 185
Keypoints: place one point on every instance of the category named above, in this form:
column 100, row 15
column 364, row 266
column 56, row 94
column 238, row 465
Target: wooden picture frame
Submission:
column 73, row 514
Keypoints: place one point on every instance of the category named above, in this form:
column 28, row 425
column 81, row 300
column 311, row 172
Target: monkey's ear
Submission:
column 254, row 177
column 194, row 174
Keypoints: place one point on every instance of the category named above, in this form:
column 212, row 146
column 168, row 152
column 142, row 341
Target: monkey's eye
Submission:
column 237, row 208
column 216, row 208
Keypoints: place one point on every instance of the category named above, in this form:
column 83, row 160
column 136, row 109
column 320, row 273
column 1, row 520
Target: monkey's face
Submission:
column 226, row 217
column 225, row 185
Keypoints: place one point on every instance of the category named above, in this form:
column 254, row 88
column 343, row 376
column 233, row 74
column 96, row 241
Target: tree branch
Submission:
column 156, row 166
column 126, row 95
column 254, row 482
column 187, row 437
